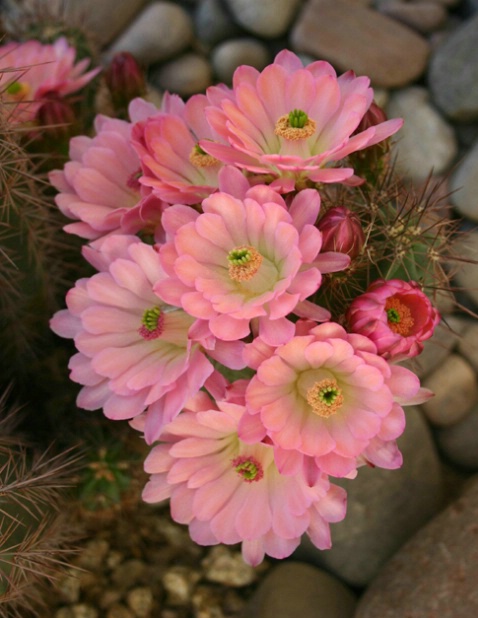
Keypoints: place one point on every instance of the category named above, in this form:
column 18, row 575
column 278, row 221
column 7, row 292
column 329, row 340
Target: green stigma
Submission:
column 198, row 150
column 151, row 318
column 238, row 257
column 298, row 119
column 393, row 316
column 249, row 468
column 328, row 395
column 14, row 88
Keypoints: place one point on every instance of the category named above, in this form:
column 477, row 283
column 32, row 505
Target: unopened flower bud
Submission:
column 341, row 231
column 125, row 79
column 57, row 116
column 373, row 116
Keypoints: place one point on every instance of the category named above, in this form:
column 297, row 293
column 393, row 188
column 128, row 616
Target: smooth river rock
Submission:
column 435, row 574
column 352, row 36
column 454, row 89
column 303, row 591
column 384, row 509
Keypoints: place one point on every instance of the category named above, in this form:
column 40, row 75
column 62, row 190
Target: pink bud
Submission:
column 124, row 79
column 341, row 231
column 373, row 116
column 57, row 116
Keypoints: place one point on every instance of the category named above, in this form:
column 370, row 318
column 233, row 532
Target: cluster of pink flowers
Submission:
column 205, row 337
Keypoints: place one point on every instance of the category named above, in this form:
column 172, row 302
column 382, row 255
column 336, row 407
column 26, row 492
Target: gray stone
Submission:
column 467, row 272
column 213, row 23
column 464, row 184
column 438, row 348
column 102, row 20
column 296, row 589
column 456, row 391
column 384, row 509
column 468, row 345
column 352, row 36
column 161, row 30
column 460, row 441
column 186, row 75
column 426, row 143
column 453, row 73
column 227, row 56
column 267, row 18
column 426, row 16
column 435, row 573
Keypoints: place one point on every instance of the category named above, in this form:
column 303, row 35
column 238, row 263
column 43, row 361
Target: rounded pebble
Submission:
column 267, row 18
column 384, row 508
column 297, row 589
column 459, row 442
column 434, row 575
column 464, row 185
column 423, row 16
column 456, row 391
column 162, row 30
column 426, row 143
column 140, row 601
column 186, row 75
column 224, row 566
column 227, row 56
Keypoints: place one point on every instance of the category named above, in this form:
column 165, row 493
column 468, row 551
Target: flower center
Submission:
column 295, row 125
column 399, row 317
column 152, row 324
column 249, row 468
column 133, row 180
column 18, row 90
column 325, row 398
column 199, row 158
column 244, row 262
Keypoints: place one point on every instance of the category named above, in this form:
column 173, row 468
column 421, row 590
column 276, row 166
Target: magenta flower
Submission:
column 397, row 316
column 296, row 123
column 134, row 352
column 244, row 260
column 100, row 184
column 328, row 395
column 230, row 492
column 34, row 72
column 174, row 165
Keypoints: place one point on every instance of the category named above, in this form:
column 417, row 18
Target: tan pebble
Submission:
column 456, row 391
column 140, row 601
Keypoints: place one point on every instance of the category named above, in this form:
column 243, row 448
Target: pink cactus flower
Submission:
column 328, row 395
column 246, row 260
column 293, row 122
column 134, row 352
column 396, row 315
column 228, row 491
column 34, row 71
column 174, row 165
column 100, row 184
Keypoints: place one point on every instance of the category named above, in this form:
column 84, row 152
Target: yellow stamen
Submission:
column 199, row 158
column 325, row 398
column 399, row 317
column 244, row 262
column 285, row 129
column 18, row 90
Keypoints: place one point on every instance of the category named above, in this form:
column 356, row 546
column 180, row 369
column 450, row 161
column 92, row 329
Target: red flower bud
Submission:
column 373, row 116
column 341, row 231
column 124, row 79
column 56, row 115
